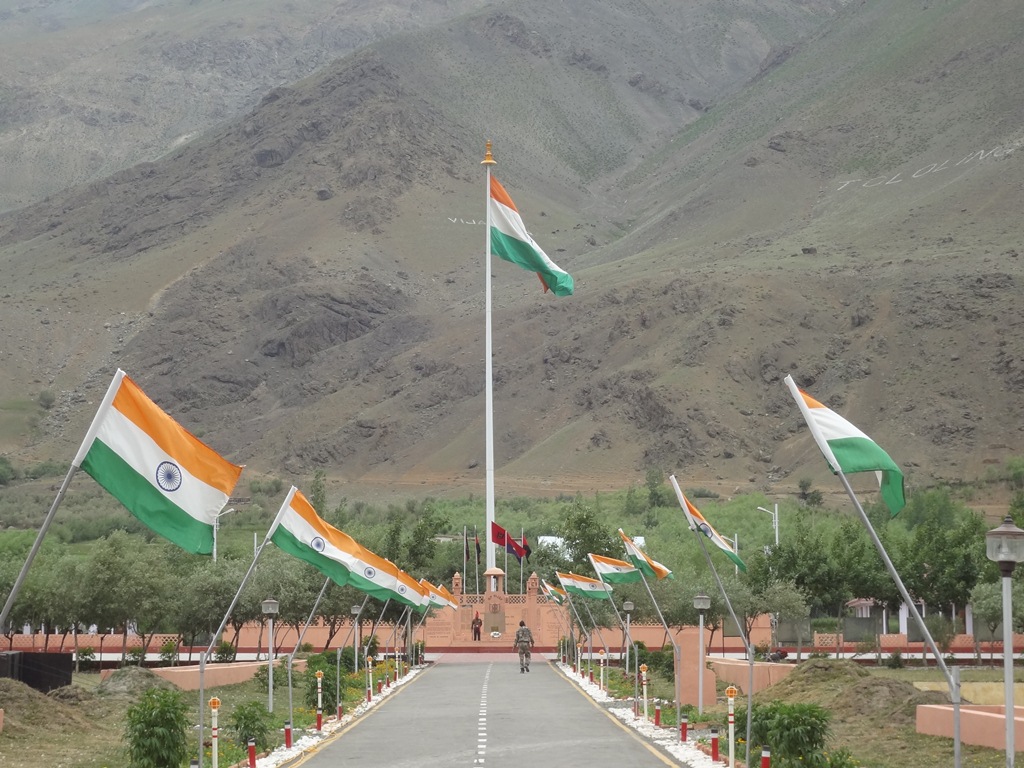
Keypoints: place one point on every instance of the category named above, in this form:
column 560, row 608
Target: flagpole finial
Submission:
column 488, row 157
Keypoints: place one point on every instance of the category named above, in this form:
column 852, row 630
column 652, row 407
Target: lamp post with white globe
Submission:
column 1005, row 545
column 702, row 602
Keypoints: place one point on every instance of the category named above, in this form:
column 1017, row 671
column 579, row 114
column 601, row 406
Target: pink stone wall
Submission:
column 983, row 726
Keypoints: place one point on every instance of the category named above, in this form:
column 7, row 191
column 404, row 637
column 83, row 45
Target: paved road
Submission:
column 479, row 711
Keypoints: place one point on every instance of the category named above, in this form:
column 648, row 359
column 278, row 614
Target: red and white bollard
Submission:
column 380, row 686
column 766, row 758
column 684, row 723
column 657, row 715
column 714, row 744
column 369, row 694
column 340, row 709
column 288, row 734
column 214, row 730
column 252, row 753
column 319, row 700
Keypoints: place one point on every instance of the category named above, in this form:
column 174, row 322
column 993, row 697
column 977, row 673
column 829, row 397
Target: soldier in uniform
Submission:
column 523, row 643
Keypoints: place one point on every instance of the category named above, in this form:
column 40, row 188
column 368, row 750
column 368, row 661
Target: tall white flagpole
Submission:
column 487, row 162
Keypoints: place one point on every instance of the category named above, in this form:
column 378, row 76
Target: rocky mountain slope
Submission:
column 741, row 191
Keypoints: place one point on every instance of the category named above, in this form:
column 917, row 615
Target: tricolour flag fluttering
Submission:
column 511, row 242
column 651, row 568
column 554, row 593
column 698, row 523
column 436, row 596
column 163, row 475
column 300, row 532
column 410, row 592
column 848, row 450
column 583, row 586
column 613, row 571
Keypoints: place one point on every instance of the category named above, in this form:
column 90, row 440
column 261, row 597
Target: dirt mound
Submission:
column 26, row 710
column 132, row 681
column 847, row 690
column 71, row 694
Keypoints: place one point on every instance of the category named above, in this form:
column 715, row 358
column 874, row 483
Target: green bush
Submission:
column 280, row 674
column 795, row 733
column 225, row 653
column 47, row 399
column 135, row 656
column 156, row 729
column 251, row 721
column 895, row 660
column 86, row 658
column 168, row 653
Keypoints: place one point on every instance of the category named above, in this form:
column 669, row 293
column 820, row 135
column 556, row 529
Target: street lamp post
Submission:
column 701, row 602
column 775, row 521
column 216, row 525
column 1005, row 545
column 270, row 606
column 628, row 606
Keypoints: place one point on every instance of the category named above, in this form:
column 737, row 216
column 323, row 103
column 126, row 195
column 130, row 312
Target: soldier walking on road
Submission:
column 524, row 644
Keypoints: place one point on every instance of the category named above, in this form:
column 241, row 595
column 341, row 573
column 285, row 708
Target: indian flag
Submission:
column 511, row 242
column 613, row 571
column 436, row 596
column 300, row 532
column 652, row 569
column 448, row 596
column 584, row 587
column 409, row 591
column 698, row 523
column 163, row 475
column 848, row 450
column 554, row 593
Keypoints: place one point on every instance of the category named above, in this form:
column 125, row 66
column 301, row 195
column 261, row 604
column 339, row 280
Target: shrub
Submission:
column 251, row 721
column 136, row 655
column 47, row 399
column 86, row 658
column 225, row 653
column 280, row 674
column 168, row 653
column 155, row 730
column 795, row 733
column 895, row 660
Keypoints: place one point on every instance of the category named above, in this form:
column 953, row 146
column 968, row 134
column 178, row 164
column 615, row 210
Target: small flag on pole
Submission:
column 163, row 475
column 613, row 571
column 575, row 584
column 848, row 450
column 698, row 523
column 651, row 568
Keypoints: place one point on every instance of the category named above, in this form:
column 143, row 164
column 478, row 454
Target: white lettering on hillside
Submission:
column 975, row 157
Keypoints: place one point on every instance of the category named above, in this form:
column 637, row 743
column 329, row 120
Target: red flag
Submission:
column 500, row 537
column 527, row 550
column 477, row 535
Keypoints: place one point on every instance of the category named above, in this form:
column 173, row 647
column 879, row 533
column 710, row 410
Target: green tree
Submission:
column 656, row 493
column 156, row 729
column 583, row 534
column 318, row 492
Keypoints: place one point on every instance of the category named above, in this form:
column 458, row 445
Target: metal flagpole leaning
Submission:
column 487, row 162
column 90, row 435
column 35, row 547
column 227, row 614
column 732, row 613
column 355, row 633
column 597, row 628
column 952, row 681
column 476, row 539
column 298, row 644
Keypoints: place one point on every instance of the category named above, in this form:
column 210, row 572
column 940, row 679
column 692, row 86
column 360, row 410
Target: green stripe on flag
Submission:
column 862, row 454
column 525, row 255
column 145, row 501
column 330, row 568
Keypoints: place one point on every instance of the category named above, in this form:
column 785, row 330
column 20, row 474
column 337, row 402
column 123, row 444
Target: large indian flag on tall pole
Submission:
column 584, row 586
column 612, row 571
column 511, row 242
column 651, row 568
column 300, row 532
column 164, row 476
column 698, row 523
column 848, row 450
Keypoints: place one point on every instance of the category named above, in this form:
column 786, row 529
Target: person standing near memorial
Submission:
column 524, row 644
